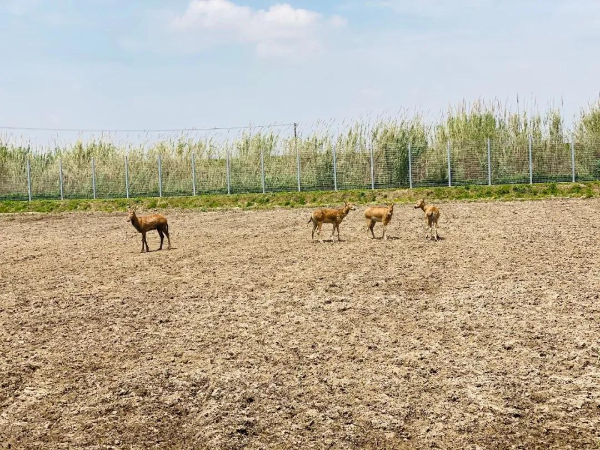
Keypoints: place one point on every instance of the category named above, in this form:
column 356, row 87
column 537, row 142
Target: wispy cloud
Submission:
column 280, row 30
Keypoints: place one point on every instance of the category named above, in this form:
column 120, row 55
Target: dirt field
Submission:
column 247, row 334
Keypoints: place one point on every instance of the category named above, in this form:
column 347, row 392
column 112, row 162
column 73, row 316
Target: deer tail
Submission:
column 310, row 220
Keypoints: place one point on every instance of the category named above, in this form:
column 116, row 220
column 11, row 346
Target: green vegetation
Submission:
column 467, row 127
column 312, row 199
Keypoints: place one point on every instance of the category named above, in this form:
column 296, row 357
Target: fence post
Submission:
column 372, row 167
column 297, row 153
column 29, row 178
column 573, row 158
column 60, row 178
column 530, row 159
column 94, row 177
column 159, row 176
column 228, row 174
column 262, row 167
column 449, row 165
column 334, row 167
column 410, row 165
column 489, row 150
column 126, row 177
column 193, row 174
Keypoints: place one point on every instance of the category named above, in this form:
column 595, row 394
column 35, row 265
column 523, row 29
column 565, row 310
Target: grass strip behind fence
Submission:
column 312, row 199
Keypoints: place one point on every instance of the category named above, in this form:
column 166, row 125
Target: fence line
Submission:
column 193, row 174
column 61, row 180
column 306, row 167
column 126, row 177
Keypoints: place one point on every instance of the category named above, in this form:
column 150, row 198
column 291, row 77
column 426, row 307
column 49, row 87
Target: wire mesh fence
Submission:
column 261, row 166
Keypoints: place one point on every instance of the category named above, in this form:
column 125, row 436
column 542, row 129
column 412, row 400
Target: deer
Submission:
column 432, row 214
column 381, row 214
column 144, row 224
column 329, row 215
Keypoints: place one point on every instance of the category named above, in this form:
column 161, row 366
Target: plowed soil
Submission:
column 247, row 334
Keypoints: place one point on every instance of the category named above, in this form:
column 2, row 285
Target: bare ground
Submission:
column 247, row 334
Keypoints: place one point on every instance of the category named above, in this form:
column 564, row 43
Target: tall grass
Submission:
column 383, row 140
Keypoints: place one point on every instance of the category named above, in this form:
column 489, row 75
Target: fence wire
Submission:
column 272, row 166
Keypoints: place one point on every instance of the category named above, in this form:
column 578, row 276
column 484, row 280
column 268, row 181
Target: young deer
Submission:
column 432, row 214
column 144, row 224
column 329, row 215
column 381, row 214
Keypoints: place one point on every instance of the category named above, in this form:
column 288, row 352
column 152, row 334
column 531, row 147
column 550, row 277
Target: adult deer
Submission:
column 329, row 215
column 144, row 224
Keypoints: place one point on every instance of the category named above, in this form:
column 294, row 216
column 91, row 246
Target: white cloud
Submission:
column 280, row 31
column 338, row 21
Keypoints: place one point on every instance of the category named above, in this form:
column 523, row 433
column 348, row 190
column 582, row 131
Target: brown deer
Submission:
column 329, row 215
column 432, row 214
column 144, row 224
column 381, row 214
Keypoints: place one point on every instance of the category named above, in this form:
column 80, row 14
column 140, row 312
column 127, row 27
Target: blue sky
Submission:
column 204, row 63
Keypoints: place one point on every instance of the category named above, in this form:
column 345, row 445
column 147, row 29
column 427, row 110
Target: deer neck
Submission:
column 136, row 223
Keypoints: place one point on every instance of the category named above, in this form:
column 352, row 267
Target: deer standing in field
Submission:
column 144, row 224
column 432, row 214
column 381, row 214
column 329, row 215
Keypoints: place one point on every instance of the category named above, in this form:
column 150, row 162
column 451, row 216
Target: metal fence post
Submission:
column 489, row 151
column 372, row 167
column 449, row 165
column 410, row 184
column 94, row 177
column 530, row 159
column 159, row 176
column 262, row 168
column 228, row 174
column 334, row 168
column 297, row 154
column 573, row 158
column 126, row 177
column 60, row 178
column 29, row 178
column 193, row 174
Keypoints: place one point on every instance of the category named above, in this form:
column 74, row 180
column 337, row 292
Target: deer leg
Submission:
column 432, row 229
column 162, row 237
column 427, row 227
column 384, row 237
column 370, row 227
column 144, row 241
column 313, row 231
column 166, row 231
column 437, row 237
column 338, row 230
column 319, row 232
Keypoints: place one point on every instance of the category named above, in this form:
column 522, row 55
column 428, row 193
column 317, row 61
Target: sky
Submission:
column 149, row 64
